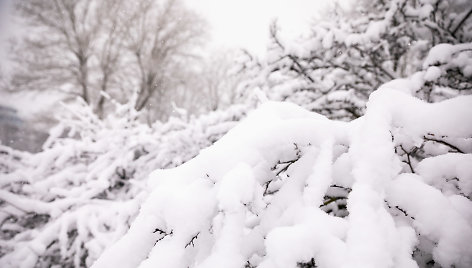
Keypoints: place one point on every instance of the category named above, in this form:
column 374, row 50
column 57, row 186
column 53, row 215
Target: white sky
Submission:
column 245, row 23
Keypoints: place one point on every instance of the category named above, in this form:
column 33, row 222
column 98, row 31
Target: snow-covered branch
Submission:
column 391, row 217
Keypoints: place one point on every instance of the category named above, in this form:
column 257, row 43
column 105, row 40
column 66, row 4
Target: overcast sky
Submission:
column 245, row 23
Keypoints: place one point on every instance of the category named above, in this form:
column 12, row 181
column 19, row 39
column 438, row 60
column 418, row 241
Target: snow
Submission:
column 78, row 196
column 287, row 186
column 432, row 73
column 439, row 54
column 216, row 207
column 435, row 218
column 439, row 170
column 452, row 56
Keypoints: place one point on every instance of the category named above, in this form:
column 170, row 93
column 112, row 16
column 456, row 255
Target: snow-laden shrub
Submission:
column 349, row 55
column 291, row 188
column 288, row 187
column 66, row 204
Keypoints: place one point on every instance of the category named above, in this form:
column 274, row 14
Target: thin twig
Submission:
column 461, row 22
column 331, row 200
column 444, row 143
column 192, row 240
column 408, row 159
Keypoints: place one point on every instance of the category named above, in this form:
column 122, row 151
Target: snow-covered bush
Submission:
column 350, row 54
column 291, row 188
column 287, row 187
column 64, row 205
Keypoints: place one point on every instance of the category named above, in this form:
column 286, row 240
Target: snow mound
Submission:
column 290, row 188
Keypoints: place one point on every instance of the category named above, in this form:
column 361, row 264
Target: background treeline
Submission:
column 103, row 50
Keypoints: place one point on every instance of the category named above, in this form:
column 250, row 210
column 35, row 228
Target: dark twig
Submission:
column 332, row 199
column 461, row 22
column 341, row 187
column 286, row 167
column 408, row 159
column 401, row 210
column 192, row 240
column 444, row 143
column 163, row 233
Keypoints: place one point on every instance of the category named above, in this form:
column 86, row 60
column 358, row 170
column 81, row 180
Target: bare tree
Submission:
column 91, row 48
column 160, row 41
column 56, row 53
column 110, row 54
column 219, row 79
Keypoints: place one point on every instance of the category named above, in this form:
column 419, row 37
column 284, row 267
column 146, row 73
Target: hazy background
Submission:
column 226, row 27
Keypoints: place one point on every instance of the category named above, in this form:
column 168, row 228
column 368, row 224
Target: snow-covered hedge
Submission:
column 66, row 204
column 290, row 188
